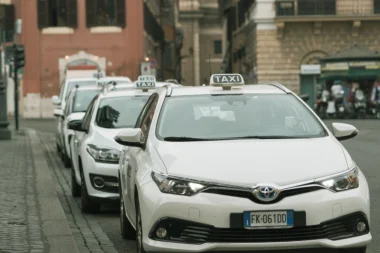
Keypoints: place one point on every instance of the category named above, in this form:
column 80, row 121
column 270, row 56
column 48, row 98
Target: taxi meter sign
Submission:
column 146, row 82
column 226, row 80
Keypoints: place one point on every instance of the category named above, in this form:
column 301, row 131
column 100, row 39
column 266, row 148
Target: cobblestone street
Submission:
column 28, row 225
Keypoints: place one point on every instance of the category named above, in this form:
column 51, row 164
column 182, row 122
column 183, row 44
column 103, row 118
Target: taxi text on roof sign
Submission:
column 146, row 82
column 226, row 80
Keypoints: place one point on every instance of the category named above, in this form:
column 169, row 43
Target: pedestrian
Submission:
column 375, row 95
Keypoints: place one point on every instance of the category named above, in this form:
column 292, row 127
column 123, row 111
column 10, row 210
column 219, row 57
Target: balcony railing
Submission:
column 302, row 8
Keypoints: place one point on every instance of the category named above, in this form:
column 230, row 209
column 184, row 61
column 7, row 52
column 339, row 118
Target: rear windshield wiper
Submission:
column 183, row 138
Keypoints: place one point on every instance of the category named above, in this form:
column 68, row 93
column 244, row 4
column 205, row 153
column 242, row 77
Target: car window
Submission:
column 147, row 119
column 63, row 85
column 72, row 84
column 82, row 99
column 120, row 112
column 69, row 104
column 88, row 116
column 144, row 110
column 236, row 116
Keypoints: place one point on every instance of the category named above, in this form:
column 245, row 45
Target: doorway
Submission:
column 309, row 85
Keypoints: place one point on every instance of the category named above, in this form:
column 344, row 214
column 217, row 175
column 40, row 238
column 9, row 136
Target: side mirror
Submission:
column 305, row 97
column 130, row 137
column 58, row 112
column 56, row 100
column 75, row 125
column 344, row 131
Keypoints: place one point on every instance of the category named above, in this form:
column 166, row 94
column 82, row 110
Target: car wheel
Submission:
column 65, row 158
column 127, row 231
column 75, row 187
column 58, row 148
column 139, row 231
column 87, row 204
column 356, row 250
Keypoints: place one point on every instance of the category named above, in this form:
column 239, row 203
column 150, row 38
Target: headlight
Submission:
column 103, row 155
column 177, row 186
column 342, row 183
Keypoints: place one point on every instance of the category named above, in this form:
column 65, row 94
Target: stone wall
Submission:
column 279, row 59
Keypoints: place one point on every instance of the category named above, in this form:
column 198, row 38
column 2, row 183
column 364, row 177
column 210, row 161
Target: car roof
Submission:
column 81, row 79
column 81, row 88
column 115, row 78
column 268, row 88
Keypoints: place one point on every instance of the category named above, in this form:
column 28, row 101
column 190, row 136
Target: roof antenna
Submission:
column 209, row 63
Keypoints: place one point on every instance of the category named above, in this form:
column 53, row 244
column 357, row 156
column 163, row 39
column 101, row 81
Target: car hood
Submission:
column 104, row 138
column 75, row 116
column 250, row 162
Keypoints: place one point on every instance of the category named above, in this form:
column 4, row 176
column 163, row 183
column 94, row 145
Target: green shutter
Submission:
column 121, row 13
column 43, row 13
column 91, row 12
column 71, row 13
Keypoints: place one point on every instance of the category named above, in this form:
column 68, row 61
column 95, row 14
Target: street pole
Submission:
column 5, row 133
column 16, row 91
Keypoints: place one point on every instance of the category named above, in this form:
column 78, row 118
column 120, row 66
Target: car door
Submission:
column 135, row 156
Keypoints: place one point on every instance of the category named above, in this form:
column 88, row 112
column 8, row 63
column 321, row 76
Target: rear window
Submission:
column 71, row 85
column 82, row 99
column 120, row 112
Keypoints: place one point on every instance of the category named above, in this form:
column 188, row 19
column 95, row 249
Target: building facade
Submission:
column 115, row 36
column 284, row 40
column 202, row 49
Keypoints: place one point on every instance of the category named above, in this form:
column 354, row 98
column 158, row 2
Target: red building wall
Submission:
column 42, row 51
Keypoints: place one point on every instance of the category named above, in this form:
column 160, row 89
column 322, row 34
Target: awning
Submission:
column 351, row 74
column 355, row 63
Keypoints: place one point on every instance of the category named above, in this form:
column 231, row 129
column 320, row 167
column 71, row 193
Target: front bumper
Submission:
column 108, row 173
column 207, row 221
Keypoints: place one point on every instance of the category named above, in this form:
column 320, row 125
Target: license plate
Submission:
column 269, row 219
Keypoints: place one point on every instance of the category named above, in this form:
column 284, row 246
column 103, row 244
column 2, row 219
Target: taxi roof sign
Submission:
column 145, row 82
column 226, row 80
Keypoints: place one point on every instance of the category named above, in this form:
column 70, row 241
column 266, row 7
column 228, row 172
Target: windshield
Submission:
column 80, row 83
column 237, row 116
column 120, row 112
column 82, row 99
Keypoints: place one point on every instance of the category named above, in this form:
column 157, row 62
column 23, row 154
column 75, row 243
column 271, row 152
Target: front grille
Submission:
column 202, row 234
column 197, row 233
column 250, row 196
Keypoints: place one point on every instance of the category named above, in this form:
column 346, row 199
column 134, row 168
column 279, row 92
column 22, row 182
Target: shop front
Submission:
column 356, row 68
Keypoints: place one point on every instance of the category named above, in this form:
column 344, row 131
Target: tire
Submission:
column 127, row 230
column 356, row 250
column 87, row 204
column 66, row 160
column 139, row 244
column 75, row 187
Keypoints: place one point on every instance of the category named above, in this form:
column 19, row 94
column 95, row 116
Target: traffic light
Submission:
column 18, row 56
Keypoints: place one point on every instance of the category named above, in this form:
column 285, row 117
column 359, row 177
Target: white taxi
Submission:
column 95, row 154
column 234, row 167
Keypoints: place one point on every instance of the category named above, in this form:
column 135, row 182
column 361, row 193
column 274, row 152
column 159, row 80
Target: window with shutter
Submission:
column 71, row 14
column 105, row 13
column 91, row 6
column 43, row 13
column 57, row 13
column 121, row 13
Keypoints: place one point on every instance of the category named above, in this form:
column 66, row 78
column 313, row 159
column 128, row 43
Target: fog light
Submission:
column 98, row 182
column 361, row 226
column 161, row 233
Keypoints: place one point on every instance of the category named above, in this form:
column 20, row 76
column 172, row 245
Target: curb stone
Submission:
column 54, row 222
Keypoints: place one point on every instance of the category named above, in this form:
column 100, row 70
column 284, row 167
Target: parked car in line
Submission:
column 60, row 101
column 269, row 175
column 95, row 154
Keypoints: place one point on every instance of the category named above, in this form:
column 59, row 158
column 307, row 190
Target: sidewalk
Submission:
column 31, row 216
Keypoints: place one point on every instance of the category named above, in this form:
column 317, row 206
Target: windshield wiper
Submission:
column 268, row 137
column 184, row 138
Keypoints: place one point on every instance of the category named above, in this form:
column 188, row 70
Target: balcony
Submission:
column 327, row 10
